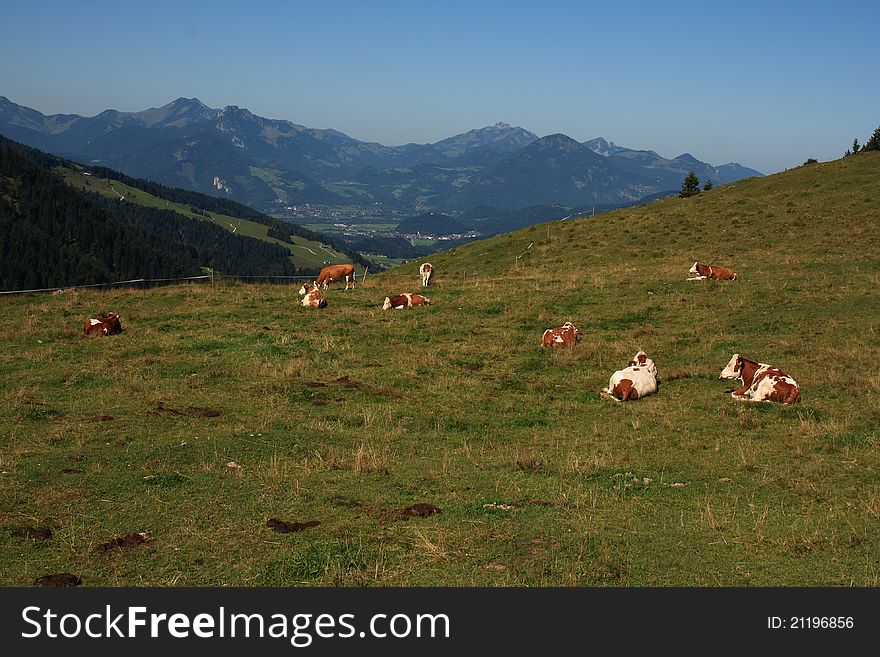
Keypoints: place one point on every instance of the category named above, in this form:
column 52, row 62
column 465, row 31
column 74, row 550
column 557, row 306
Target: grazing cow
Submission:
column 107, row 324
column 638, row 379
column 566, row 335
column 760, row 382
column 312, row 296
column 426, row 271
column 405, row 300
column 336, row 273
column 700, row 272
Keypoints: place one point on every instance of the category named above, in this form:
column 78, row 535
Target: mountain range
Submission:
column 269, row 164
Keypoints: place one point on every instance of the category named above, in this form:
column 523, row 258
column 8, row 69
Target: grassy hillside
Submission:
column 349, row 414
column 304, row 253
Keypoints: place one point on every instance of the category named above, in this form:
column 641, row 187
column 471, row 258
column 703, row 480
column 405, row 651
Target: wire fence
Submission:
column 156, row 281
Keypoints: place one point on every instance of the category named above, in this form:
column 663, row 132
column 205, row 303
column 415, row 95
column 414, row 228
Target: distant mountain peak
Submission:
column 603, row 147
column 185, row 105
column 187, row 101
column 687, row 157
column 502, row 138
column 558, row 140
column 498, row 127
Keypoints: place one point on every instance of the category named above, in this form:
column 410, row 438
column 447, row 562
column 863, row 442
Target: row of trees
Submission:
column 873, row 144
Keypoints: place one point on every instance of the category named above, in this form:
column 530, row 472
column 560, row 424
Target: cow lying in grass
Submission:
column 566, row 335
column 107, row 324
column 312, row 297
column 638, row 379
column 405, row 300
column 700, row 272
column 760, row 382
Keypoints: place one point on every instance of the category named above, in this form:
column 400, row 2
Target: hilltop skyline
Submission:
column 765, row 86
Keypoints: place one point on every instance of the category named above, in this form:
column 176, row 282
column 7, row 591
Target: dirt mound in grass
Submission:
column 58, row 579
column 284, row 527
column 44, row 533
column 130, row 540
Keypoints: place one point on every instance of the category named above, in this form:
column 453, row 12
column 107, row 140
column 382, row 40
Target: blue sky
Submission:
column 767, row 84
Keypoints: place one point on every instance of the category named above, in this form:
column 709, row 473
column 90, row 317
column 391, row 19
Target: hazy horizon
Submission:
column 764, row 86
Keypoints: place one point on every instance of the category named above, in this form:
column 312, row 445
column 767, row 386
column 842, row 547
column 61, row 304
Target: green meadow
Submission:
column 222, row 407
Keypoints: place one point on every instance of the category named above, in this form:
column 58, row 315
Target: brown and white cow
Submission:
column 405, row 300
column 336, row 273
column 700, row 272
column 566, row 335
column 638, row 379
column 107, row 324
column 760, row 382
column 426, row 271
column 312, row 297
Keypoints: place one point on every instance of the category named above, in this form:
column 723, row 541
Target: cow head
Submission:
column 572, row 327
column 733, row 369
column 111, row 324
column 387, row 304
column 306, row 288
column 694, row 269
column 641, row 360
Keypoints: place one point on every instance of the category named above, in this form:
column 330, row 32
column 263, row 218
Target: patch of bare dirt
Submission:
column 130, row 540
column 44, row 533
column 420, row 510
column 284, row 527
column 58, row 579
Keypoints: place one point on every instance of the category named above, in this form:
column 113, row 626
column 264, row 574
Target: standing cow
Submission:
column 312, row 297
column 336, row 273
column 426, row 271
column 760, row 382
column 638, row 379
